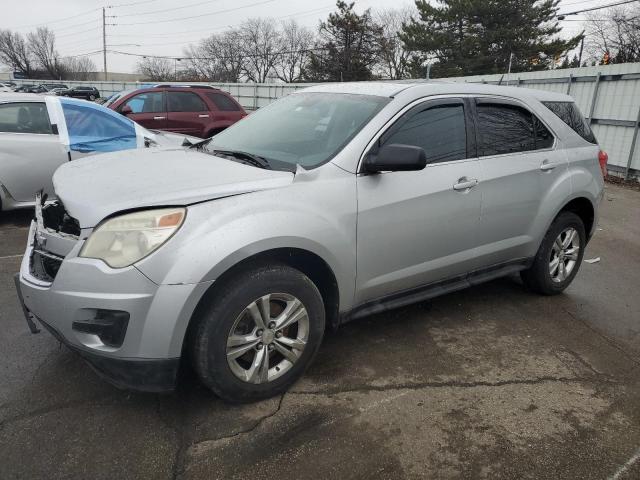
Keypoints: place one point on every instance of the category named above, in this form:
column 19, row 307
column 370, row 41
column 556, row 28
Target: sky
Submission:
column 165, row 27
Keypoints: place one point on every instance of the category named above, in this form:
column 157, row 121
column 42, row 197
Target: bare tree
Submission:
column 42, row 44
column 393, row 60
column 614, row 37
column 15, row 53
column 262, row 46
column 218, row 58
column 78, row 68
column 297, row 42
column 156, row 69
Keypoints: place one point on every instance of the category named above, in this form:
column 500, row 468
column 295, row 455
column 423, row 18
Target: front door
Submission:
column 416, row 228
column 148, row 109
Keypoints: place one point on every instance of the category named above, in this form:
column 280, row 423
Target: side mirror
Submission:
column 396, row 158
column 126, row 110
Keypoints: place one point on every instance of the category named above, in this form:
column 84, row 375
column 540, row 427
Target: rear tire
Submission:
column 92, row 97
column 559, row 256
column 242, row 348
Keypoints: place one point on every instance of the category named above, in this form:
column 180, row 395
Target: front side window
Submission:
column 440, row 131
column 185, row 102
column 24, row 117
column 150, row 102
column 302, row 128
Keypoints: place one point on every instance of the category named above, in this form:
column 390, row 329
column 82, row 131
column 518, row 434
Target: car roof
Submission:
column 391, row 89
column 21, row 97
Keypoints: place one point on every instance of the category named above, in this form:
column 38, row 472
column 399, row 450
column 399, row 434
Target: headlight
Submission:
column 124, row 240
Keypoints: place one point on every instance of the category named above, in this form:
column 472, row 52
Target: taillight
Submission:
column 603, row 158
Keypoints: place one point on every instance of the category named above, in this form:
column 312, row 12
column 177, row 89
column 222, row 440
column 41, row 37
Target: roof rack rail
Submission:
column 167, row 85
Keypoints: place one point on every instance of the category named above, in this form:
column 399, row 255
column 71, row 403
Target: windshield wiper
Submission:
column 250, row 158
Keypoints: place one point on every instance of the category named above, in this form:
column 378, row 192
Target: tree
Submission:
column 42, row 45
column 156, row 69
column 262, row 46
column 78, row 68
column 348, row 44
column 15, row 53
column 615, row 35
column 218, row 58
column 393, row 60
column 474, row 37
column 297, row 42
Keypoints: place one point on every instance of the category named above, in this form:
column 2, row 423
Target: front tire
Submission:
column 92, row 97
column 559, row 256
column 257, row 334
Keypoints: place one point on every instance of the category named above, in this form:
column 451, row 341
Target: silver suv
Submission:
column 333, row 203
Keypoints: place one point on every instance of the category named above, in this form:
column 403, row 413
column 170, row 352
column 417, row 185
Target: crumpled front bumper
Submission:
column 149, row 356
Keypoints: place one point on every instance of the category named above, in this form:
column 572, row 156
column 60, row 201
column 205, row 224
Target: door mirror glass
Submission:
column 396, row 158
column 126, row 110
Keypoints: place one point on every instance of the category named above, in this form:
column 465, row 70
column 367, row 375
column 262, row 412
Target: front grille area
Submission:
column 44, row 266
column 55, row 217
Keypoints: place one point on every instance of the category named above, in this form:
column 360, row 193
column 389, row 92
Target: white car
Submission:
column 40, row 133
column 5, row 88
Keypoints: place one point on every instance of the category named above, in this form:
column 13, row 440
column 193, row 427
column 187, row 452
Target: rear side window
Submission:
column 223, row 102
column 440, row 131
column 507, row 128
column 185, row 102
column 570, row 114
column 25, row 117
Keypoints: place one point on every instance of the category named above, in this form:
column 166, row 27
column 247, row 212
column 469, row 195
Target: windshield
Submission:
column 304, row 128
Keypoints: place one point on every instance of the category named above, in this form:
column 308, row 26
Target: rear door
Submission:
column 227, row 110
column 30, row 151
column 149, row 109
column 520, row 166
column 187, row 113
column 416, row 228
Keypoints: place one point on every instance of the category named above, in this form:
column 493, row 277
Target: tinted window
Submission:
column 223, row 102
column 24, row 117
column 544, row 138
column 504, row 129
column 570, row 114
column 439, row 131
column 185, row 102
column 150, row 102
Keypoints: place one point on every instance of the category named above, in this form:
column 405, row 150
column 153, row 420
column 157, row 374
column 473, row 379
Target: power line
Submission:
column 179, row 57
column 201, row 15
column 137, row 14
column 562, row 15
column 130, row 4
column 57, row 20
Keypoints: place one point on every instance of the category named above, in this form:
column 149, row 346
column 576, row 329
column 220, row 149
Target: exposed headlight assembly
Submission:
column 122, row 241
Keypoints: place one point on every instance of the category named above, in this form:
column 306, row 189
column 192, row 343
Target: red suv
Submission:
column 196, row 110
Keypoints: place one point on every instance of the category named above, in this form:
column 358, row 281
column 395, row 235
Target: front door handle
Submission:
column 203, row 116
column 159, row 118
column 465, row 184
column 547, row 166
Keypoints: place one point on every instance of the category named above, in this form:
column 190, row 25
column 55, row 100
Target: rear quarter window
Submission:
column 569, row 113
column 223, row 102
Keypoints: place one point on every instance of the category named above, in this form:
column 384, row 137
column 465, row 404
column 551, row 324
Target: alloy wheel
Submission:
column 267, row 338
column 564, row 254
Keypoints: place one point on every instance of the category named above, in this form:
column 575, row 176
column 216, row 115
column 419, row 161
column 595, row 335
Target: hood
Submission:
column 95, row 187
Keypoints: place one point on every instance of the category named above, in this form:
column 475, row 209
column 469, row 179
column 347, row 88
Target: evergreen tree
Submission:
column 471, row 37
column 348, row 46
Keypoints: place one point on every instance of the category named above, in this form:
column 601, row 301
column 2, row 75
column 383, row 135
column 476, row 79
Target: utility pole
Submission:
column 581, row 48
column 104, row 42
column 509, row 71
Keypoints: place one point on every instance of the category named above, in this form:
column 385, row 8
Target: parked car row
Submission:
column 85, row 92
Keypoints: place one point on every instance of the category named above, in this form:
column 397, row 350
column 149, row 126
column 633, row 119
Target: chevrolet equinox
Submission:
column 330, row 204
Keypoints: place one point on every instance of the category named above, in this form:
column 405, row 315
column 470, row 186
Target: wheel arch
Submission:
column 585, row 209
column 309, row 263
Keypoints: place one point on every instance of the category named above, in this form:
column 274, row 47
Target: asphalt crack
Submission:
column 181, row 462
column 453, row 384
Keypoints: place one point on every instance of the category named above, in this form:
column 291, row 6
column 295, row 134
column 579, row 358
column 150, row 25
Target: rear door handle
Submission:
column 547, row 166
column 203, row 116
column 465, row 183
column 159, row 118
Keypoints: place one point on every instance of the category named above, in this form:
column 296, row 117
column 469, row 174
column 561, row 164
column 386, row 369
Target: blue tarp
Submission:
column 94, row 128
